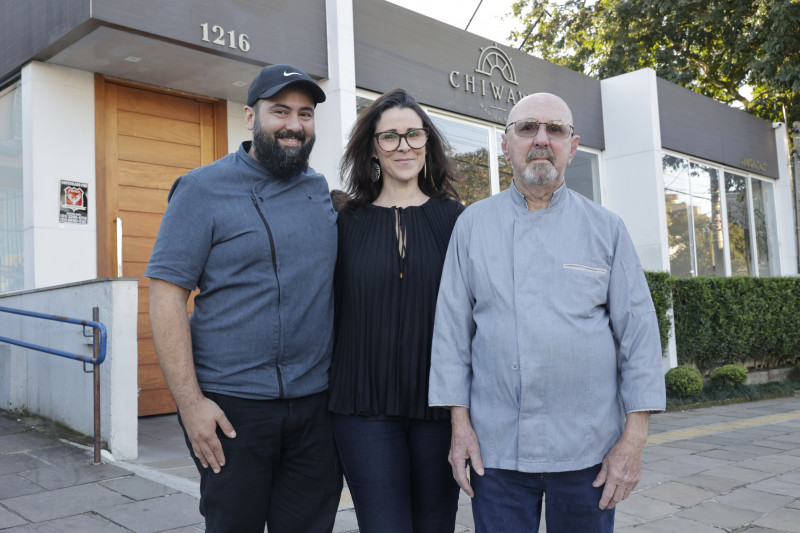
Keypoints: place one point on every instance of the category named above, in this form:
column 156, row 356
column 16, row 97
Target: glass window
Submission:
column 704, row 184
column 678, row 199
column 738, row 224
column 506, row 171
column 362, row 103
column 711, row 234
column 694, row 218
column 582, row 175
column 764, row 226
column 469, row 153
column 11, row 210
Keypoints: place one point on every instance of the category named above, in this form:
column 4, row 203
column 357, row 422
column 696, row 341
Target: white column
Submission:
column 58, row 144
column 633, row 184
column 633, row 181
column 784, row 208
column 335, row 117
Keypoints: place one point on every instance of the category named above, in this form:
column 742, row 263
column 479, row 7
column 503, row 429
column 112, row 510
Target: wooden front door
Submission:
column 146, row 138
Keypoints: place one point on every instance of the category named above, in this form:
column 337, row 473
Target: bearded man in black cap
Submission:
column 256, row 233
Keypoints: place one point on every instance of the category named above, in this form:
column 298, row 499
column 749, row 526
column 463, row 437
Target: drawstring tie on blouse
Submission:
column 401, row 238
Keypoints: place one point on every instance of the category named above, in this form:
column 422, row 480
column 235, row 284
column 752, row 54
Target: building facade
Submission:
column 103, row 103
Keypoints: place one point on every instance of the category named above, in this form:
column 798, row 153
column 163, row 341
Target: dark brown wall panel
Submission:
column 31, row 26
column 395, row 47
column 696, row 125
column 278, row 31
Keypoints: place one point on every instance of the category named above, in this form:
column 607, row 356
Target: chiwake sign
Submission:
column 494, row 83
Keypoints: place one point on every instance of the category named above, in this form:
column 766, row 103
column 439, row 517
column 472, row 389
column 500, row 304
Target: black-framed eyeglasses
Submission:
column 389, row 141
column 556, row 129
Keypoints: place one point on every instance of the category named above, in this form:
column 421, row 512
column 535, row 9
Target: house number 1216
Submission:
column 223, row 38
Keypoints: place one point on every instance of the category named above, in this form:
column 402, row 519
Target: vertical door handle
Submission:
column 119, row 247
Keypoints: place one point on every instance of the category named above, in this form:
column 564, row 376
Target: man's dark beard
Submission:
column 282, row 161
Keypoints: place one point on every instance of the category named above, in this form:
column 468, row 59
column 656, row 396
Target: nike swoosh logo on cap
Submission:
column 290, row 73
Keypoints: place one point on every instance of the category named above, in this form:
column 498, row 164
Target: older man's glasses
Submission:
column 556, row 129
column 389, row 141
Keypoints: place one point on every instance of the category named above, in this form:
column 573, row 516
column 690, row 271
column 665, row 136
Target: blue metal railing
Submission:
column 96, row 359
column 99, row 344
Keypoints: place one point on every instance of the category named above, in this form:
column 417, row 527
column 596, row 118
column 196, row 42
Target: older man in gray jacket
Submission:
column 546, row 344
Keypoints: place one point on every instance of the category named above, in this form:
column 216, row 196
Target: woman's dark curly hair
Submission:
column 357, row 158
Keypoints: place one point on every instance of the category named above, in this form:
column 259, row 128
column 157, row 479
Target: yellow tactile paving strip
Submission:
column 701, row 431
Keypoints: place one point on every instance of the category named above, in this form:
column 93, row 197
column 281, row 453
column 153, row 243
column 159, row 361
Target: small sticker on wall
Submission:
column 74, row 202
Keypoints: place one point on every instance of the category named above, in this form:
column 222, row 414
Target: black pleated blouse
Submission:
column 385, row 301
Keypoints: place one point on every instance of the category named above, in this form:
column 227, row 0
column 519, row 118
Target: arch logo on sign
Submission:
column 494, row 83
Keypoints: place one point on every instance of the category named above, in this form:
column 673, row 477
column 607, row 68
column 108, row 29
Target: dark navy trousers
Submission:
column 397, row 472
column 507, row 501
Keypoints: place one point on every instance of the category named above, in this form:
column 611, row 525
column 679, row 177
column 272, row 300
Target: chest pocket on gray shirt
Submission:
column 586, row 288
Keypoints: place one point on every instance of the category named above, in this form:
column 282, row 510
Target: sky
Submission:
column 487, row 22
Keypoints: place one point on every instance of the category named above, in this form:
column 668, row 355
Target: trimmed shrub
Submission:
column 684, row 381
column 729, row 376
column 797, row 369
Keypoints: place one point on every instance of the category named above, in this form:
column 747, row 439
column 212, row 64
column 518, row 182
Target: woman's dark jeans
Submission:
column 397, row 472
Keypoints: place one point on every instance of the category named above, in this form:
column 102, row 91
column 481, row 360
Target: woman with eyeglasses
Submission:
column 393, row 237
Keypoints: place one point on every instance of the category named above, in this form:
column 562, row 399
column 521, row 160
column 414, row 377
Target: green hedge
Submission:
column 712, row 395
column 721, row 321
column 660, row 284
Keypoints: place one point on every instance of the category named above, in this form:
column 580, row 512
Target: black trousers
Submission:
column 282, row 469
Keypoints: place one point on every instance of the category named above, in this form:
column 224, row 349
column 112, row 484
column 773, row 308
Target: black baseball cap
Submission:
column 274, row 78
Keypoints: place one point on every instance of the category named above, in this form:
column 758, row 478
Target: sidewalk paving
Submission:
column 733, row 468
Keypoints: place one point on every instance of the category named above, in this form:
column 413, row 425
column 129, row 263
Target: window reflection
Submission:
column 707, row 220
column 678, row 199
column 694, row 218
column 763, row 224
column 738, row 225
column 698, row 239
column 469, row 154
column 506, row 171
column 362, row 103
column 582, row 175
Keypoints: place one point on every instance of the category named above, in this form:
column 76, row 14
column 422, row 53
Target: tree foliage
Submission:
column 716, row 47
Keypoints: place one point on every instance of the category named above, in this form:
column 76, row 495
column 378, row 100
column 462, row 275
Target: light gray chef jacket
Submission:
column 545, row 330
